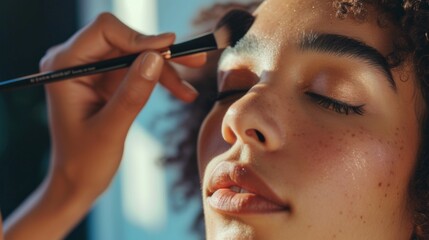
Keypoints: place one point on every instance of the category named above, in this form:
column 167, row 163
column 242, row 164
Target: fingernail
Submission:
column 190, row 90
column 151, row 66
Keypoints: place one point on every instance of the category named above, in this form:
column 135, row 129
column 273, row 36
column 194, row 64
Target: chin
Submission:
column 244, row 226
column 231, row 229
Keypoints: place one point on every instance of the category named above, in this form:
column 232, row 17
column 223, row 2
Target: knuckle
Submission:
column 105, row 18
column 44, row 63
column 133, row 100
column 133, row 39
column 49, row 58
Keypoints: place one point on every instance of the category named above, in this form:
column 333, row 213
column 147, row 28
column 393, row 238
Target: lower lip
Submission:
column 228, row 201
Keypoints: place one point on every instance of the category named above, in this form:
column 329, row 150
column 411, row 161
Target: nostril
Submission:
column 253, row 133
column 260, row 136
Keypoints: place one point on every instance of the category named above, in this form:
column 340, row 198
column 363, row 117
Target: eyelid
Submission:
column 336, row 105
column 338, row 85
column 241, row 78
column 226, row 94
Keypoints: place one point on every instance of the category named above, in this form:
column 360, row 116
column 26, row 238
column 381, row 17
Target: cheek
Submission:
column 359, row 174
column 356, row 156
column 210, row 140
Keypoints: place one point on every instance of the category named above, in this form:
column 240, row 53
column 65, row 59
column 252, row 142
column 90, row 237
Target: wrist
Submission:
column 50, row 212
column 68, row 197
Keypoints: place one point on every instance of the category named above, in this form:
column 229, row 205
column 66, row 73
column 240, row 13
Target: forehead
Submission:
column 282, row 22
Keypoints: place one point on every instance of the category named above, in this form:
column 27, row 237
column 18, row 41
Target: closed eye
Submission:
column 336, row 105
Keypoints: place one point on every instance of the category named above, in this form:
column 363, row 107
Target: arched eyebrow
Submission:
column 340, row 45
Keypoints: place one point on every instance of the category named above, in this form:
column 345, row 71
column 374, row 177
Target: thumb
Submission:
column 126, row 103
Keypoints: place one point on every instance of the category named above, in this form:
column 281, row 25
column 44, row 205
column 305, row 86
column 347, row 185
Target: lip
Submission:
column 258, row 199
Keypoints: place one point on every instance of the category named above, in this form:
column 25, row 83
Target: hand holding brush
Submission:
column 230, row 29
column 90, row 115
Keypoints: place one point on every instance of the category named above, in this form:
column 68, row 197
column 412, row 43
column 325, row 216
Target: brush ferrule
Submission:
column 166, row 53
column 203, row 43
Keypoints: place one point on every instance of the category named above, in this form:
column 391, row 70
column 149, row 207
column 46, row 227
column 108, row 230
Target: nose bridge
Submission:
column 250, row 120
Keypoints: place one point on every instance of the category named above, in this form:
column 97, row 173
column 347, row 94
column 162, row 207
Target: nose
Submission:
column 252, row 122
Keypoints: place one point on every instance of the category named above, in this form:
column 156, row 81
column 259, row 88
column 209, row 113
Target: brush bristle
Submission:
column 232, row 27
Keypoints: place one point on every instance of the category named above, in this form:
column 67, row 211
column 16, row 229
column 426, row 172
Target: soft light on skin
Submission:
column 268, row 46
column 344, row 176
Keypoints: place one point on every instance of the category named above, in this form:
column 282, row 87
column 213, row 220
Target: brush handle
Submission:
column 72, row 72
column 200, row 44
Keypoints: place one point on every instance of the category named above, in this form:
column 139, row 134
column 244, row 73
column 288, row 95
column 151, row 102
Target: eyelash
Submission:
column 335, row 105
column 226, row 94
column 326, row 102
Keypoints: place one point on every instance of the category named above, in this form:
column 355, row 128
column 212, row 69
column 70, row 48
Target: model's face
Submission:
column 322, row 143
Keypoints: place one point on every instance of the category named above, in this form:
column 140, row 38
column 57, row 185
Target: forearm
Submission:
column 1, row 227
column 49, row 213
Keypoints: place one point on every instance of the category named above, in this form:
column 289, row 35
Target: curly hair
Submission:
column 409, row 17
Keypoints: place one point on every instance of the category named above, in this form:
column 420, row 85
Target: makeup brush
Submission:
column 229, row 30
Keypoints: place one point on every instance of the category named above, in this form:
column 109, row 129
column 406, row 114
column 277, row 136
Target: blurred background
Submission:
column 138, row 204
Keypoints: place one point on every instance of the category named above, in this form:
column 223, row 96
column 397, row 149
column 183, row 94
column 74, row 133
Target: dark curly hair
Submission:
column 409, row 17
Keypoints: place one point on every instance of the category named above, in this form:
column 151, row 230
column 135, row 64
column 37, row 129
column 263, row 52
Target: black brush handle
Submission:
column 72, row 72
column 203, row 43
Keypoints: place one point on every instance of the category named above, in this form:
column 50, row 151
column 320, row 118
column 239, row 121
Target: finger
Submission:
column 108, row 33
column 179, row 88
column 133, row 93
column 194, row 60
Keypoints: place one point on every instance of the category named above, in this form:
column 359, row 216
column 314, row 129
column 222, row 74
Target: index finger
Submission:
column 108, row 33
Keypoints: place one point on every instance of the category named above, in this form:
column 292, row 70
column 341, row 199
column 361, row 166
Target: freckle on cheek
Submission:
column 291, row 110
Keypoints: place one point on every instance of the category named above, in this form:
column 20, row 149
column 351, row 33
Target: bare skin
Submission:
column 327, row 174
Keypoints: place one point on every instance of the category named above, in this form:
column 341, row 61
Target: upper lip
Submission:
column 229, row 174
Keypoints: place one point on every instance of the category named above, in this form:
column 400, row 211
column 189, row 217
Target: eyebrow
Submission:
column 340, row 45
